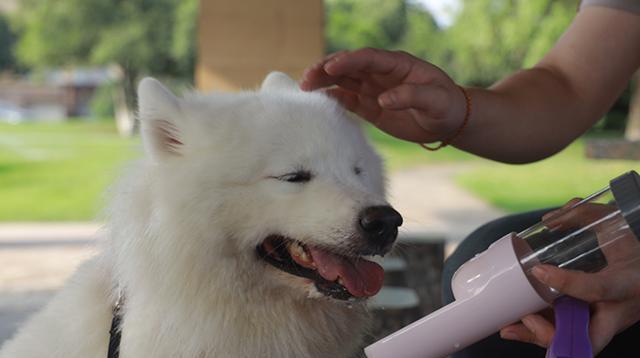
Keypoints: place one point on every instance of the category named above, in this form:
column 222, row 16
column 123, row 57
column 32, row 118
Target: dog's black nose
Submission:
column 379, row 226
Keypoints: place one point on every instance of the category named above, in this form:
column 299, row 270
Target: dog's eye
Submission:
column 357, row 170
column 302, row 176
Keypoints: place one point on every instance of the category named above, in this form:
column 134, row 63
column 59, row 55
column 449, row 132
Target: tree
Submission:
column 356, row 23
column 488, row 39
column 493, row 38
column 7, row 41
column 422, row 37
column 139, row 36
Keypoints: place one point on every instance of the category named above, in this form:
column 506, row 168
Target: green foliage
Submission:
column 548, row 30
column 493, row 38
column 488, row 40
column 355, row 23
column 102, row 104
column 183, row 47
column 7, row 40
column 422, row 36
column 390, row 24
column 139, row 35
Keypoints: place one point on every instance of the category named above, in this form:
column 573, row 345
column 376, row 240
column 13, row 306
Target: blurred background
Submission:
column 68, row 70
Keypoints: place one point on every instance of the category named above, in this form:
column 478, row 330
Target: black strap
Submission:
column 115, row 331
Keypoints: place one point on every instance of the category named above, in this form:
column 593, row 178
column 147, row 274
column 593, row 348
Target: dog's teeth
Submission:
column 340, row 281
column 299, row 251
column 296, row 249
column 304, row 256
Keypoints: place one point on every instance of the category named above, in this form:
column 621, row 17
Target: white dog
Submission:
column 240, row 234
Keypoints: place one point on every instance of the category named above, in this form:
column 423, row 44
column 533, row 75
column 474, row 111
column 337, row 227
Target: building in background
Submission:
column 22, row 101
column 239, row 42
column 59, row 95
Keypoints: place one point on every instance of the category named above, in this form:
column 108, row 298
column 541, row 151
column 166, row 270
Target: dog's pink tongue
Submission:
column 362, row 278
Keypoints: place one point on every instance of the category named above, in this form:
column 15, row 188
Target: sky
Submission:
column 442, row 10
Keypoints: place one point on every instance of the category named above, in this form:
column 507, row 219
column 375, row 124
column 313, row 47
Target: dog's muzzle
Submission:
column 336, row 273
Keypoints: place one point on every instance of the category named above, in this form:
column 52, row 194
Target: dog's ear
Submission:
column 160, row 117
column 278, row 81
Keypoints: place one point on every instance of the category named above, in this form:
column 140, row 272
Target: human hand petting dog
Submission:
column 614, row 297
column 402, row 95
column 524, row 117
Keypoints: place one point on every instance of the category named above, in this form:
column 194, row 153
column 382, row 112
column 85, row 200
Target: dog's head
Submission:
column 280, row 184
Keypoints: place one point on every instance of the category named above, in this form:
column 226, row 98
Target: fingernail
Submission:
column 527, row 321
column 330, row 63
column 541, row 273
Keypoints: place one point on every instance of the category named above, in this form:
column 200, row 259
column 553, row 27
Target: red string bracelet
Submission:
column 447, row 141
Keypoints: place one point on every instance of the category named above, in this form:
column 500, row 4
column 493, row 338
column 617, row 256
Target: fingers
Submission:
column 366, row 86
column 533, row 329
column 571, row 216
column 370, row 60
column 366, row 64
column 590, row 287
column 363, row 106
column 435, row 100
column 552, row 214
column 602, row 327
column 316, row 77
column 611, row 318
column 400, row 124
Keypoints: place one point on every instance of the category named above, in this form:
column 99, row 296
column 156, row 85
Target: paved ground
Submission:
column 431, row 203
column 35, row 259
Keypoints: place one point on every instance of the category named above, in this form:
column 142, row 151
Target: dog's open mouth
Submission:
column 337, row 276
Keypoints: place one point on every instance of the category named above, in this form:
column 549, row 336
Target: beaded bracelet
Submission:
column 448, row 141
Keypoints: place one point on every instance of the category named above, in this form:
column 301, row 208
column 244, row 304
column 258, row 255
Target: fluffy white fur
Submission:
column 185, row 221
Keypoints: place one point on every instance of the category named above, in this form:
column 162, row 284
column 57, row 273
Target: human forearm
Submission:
column 536, row 112
column 525, row 117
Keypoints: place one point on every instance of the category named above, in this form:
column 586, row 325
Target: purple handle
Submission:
column 571, row 339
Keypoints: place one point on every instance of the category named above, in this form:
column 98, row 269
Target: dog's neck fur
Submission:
column 284, row 328
column 260, row 323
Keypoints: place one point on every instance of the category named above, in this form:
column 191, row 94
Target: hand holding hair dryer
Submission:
column 495, row 288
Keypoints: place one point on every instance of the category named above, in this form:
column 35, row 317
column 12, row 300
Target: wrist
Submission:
column 458, row 131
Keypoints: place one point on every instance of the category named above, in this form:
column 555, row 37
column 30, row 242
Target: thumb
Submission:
column 590, row 287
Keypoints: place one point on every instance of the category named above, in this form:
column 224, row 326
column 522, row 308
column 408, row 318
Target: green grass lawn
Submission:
column 513, row 188
column 58, row 171
column 550, row 182
column 399, row 154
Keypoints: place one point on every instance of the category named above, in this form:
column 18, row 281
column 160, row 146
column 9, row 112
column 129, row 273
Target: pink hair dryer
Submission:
column 495, row 288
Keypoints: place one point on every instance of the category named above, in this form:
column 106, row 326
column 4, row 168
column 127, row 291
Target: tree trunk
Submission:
column 125, row 102
column 632, row 131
